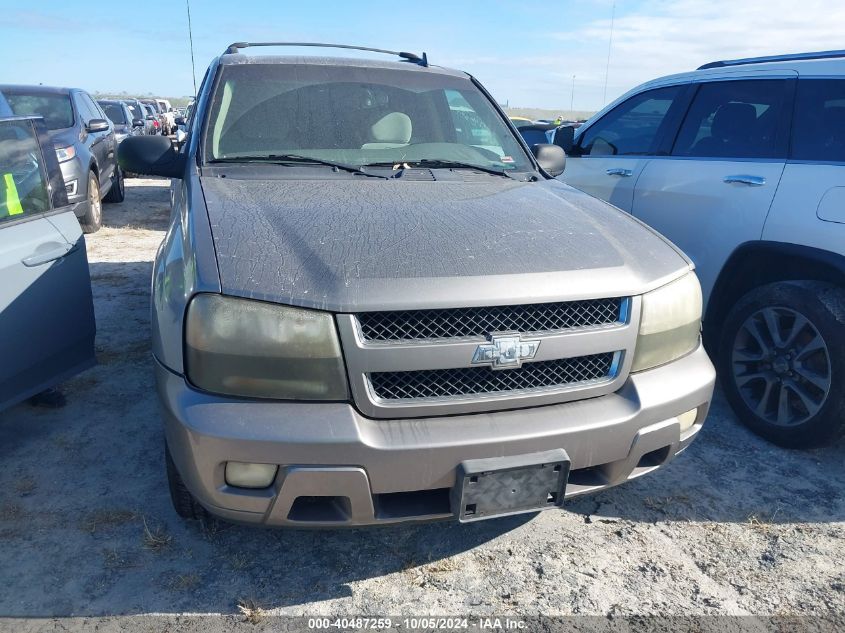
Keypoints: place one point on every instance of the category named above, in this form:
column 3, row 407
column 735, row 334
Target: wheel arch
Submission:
column 758, row 263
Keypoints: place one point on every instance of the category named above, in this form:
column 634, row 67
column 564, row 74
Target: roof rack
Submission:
column 774, row 58
column 408, row 57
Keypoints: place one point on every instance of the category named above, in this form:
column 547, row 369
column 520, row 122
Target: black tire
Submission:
column 784, row 377
column 92, row 220
column 117, row 193
column 184, row 503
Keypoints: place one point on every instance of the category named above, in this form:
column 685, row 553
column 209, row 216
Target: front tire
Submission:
column 117, row 193
column 782, row 362
column 184, row 503
column 92, row 220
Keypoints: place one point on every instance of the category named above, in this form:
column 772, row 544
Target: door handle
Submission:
column 754, row 181
column 55, row 251
column 619, row 171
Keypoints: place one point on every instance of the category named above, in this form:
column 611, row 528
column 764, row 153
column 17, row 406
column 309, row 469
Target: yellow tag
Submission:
column 13, row 202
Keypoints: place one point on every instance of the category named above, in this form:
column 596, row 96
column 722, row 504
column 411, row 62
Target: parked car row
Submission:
column 84, row 140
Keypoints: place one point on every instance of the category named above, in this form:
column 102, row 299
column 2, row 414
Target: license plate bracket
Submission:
column 502, row 486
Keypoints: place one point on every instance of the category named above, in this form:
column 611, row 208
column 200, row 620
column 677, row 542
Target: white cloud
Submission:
column 658, row 37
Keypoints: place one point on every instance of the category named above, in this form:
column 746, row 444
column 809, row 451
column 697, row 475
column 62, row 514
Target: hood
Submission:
column 351, row 245
column 64, row 136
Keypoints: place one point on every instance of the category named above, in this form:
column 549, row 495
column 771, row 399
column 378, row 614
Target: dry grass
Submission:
column 107, row 518
column 239, row 561
column 25, row 486
column 251, row 610
column 183, row 582
column 156, row 538
column 115, row 559
column 10, row 511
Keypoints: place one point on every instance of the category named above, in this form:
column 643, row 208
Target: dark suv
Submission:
column 85, row 145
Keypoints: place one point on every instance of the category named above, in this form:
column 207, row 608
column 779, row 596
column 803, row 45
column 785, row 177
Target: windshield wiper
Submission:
column 287, row 159
column 441, row 163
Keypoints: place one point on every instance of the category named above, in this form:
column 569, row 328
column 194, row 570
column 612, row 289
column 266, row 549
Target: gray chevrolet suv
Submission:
column 375, row 304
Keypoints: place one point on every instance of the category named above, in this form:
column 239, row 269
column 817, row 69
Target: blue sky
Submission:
column 524, row 52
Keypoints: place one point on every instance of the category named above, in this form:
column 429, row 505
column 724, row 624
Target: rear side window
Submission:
column 23, row 186
column 631, row 128
column 135, row 111
column 734, row 119
column 818, row 128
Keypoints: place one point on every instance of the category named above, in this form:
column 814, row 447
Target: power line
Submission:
column 191, row 39
column 609, row 46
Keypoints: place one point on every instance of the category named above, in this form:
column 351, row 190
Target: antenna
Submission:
column 609, row 46
column 191, row 40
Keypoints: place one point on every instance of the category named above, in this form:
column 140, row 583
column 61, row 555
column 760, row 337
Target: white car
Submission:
column 169, row 115
column 742, row 164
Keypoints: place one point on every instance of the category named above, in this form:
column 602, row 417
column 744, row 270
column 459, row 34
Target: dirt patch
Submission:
column 734, row 525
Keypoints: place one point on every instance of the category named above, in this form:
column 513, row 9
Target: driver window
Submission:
column 632, row 127
column 23, row 187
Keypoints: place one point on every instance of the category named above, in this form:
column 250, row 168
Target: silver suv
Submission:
column 742, row 164
column 374, row 304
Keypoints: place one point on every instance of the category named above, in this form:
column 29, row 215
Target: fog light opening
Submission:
column 245, row 475
column 687, row 419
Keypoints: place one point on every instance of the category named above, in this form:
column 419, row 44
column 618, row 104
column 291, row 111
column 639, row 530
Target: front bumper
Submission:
column 337, row 467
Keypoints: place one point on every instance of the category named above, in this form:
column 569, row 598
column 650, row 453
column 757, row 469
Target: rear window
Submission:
column 114, row 112
column 818, row 129
column 55, row 108
column 358, row 116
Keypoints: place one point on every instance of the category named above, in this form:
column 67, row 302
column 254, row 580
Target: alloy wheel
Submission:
column 94, row 199
column 781, row 366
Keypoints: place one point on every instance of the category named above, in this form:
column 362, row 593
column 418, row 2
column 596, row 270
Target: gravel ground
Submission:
column 733, row 526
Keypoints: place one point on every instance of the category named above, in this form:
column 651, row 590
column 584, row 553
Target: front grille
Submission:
column 471, row 322
column 468, row 381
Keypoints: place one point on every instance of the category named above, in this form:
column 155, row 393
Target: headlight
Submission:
column 262, row 350
column 65, row 153
column 670, row 324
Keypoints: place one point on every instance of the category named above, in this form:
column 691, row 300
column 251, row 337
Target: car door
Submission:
column 713, row 191
column 46, row 309
column 611, row 153
column 98, row 142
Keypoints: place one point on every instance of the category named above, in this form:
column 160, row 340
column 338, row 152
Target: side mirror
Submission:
column 180, row 120
column 565, row 138
column 551, row 158
column 97, row 125
column 137, row 122
column 151, row 156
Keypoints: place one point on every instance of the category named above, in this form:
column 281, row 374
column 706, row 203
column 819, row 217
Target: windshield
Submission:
column 357, row 116
column 55, row 108
column 113, row 111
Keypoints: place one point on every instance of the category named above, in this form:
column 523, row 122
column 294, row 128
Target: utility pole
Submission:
column 609, row 46
column 572, row 98
column 191, row 40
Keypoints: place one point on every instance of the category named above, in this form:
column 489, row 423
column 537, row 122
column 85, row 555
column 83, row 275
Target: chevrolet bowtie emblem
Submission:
column 505, row 351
